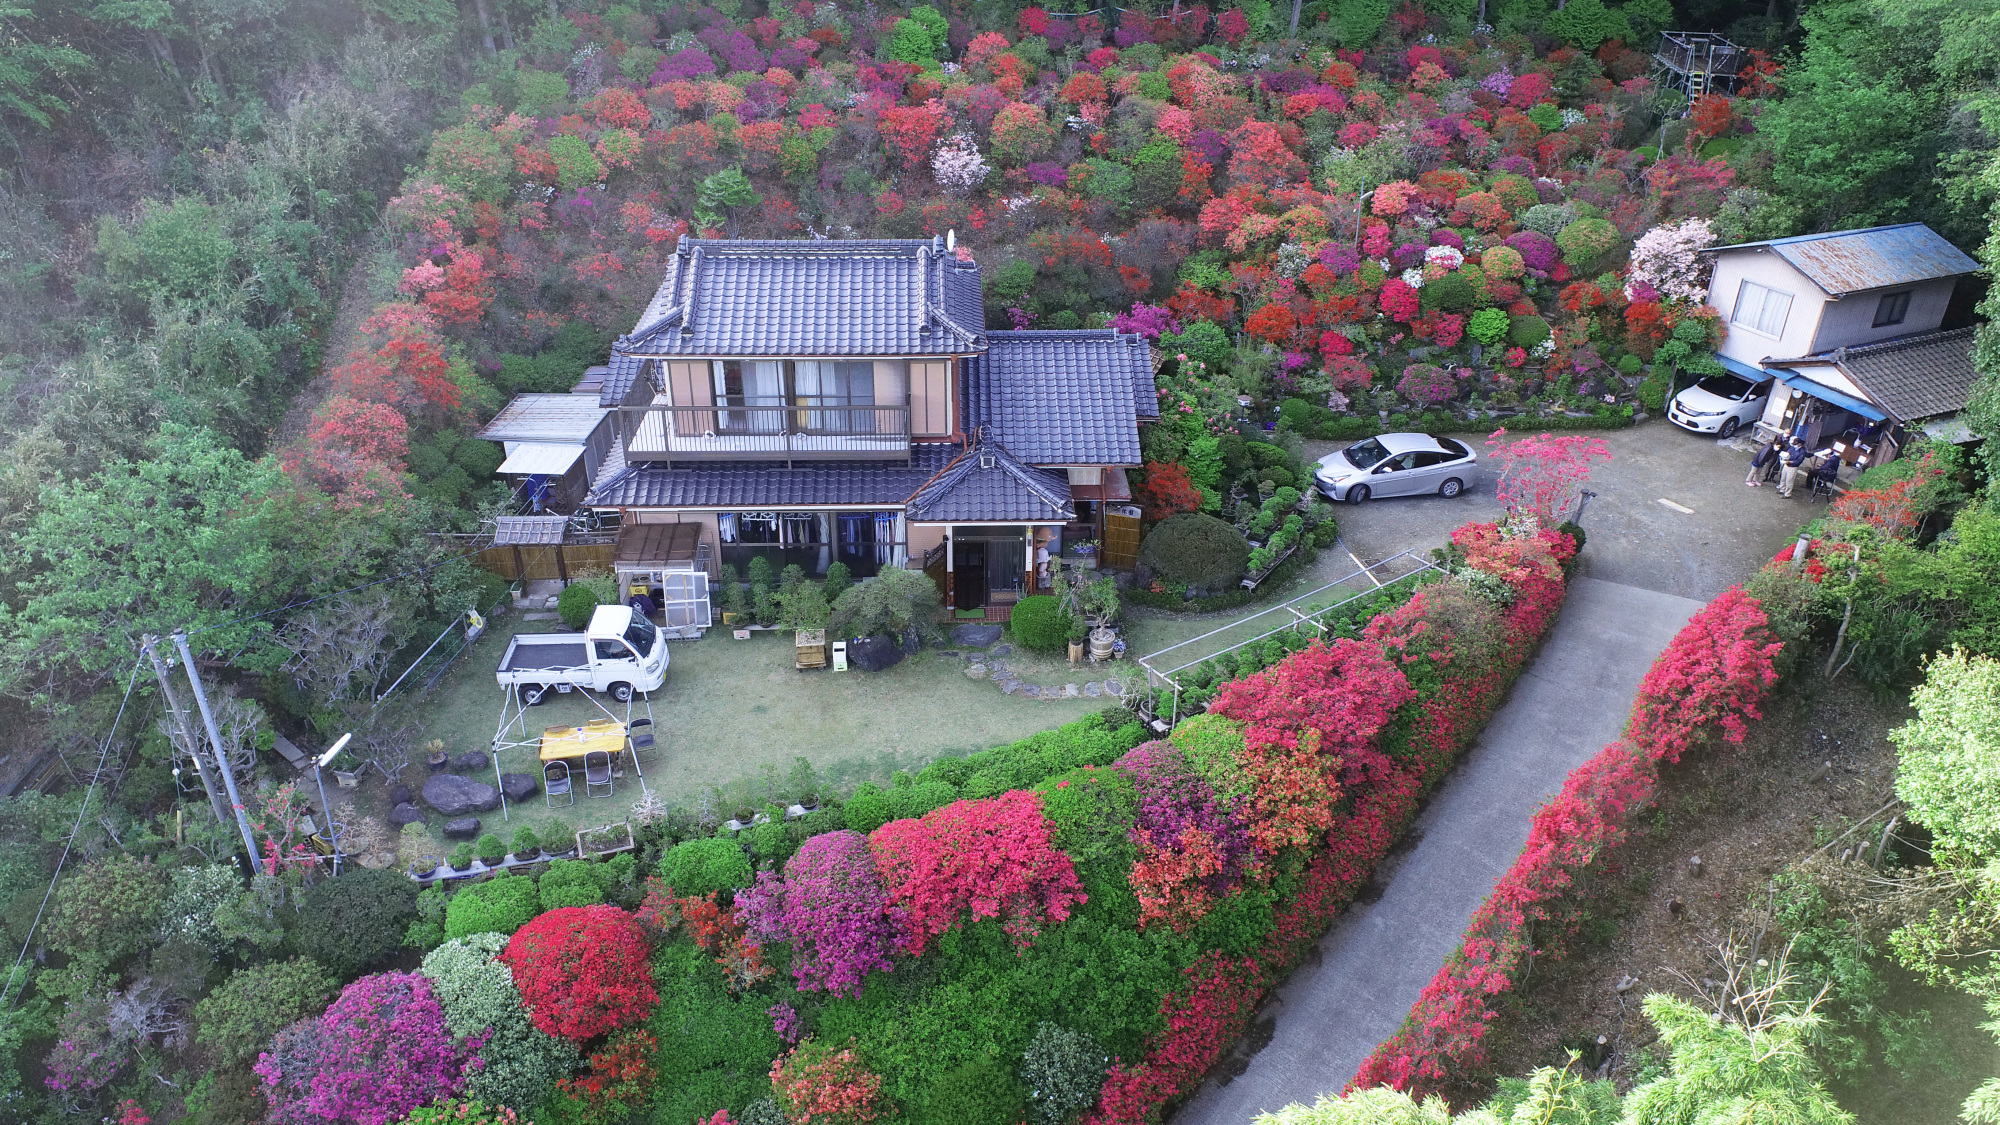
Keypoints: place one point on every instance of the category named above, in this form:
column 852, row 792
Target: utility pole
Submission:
column 215, row 740
column 177, row 715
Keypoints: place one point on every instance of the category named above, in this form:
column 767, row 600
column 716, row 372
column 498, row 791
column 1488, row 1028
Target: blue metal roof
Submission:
column 1825, row 393
column 1850, row 261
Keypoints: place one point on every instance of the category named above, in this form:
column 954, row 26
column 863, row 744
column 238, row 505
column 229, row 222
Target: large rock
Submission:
column 406, row 813
column 464, row 828
column 399, row 794
column 872, row 654
column 456, row 796
column 470, row 761
column 520, row 786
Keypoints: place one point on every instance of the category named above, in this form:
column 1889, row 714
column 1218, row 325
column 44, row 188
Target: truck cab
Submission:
column 620, row 653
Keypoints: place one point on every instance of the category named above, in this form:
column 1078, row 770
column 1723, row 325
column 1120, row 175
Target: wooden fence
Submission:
column 558, row 561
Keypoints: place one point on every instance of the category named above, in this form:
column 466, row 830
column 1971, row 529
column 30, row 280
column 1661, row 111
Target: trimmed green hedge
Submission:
column 1039, row 624
column 700, row 867
column 501, row 905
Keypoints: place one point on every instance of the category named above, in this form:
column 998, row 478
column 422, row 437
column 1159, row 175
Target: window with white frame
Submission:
column 1761, row 309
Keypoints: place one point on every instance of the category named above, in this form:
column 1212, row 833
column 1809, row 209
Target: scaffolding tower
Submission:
column 1697, row 63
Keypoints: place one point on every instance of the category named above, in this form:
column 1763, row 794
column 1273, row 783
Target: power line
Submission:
column 102, row 754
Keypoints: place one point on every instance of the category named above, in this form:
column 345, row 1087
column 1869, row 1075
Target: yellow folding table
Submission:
column 562, row 743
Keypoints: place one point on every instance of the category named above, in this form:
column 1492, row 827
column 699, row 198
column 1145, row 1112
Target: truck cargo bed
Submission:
column 544, row 656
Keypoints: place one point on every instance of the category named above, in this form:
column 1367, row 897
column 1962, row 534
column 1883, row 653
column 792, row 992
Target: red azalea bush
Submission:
column 582, row 971
column 988, row 858
column 1709, row 679
column 817, row 1086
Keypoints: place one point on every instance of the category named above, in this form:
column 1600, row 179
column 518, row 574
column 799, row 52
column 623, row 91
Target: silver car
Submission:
column 1398, row 465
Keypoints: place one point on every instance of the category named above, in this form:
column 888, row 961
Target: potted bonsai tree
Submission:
column 461, row 857
column 802, row 607
column 491, row 849
column 347, row 769
column 434, row 755
column 527, row 845
column 734, row 602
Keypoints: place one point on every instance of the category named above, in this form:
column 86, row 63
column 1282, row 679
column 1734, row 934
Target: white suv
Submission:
column 1719, row 405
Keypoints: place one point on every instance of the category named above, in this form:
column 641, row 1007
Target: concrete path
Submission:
column 1379, row 955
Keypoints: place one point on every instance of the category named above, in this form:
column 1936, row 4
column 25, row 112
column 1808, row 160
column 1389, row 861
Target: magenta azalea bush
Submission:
column 381, row 1050
column 831, row 906
column 1426, row 384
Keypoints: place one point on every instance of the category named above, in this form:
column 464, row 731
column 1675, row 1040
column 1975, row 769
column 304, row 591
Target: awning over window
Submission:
column 551, row 458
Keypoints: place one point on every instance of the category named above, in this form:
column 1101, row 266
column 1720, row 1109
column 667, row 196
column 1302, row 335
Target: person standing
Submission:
column 1788, row 476
column 1761, row 462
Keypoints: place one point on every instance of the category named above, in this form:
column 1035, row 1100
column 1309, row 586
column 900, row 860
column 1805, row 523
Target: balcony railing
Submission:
column 800, row 430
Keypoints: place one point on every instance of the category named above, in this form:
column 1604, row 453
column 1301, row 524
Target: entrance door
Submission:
column 968, row 575
column 1121, row 539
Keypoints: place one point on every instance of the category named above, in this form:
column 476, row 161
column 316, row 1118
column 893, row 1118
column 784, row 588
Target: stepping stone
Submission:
column 975, row 636
column 1001, row 650
column 1010, row 686
column 1093, row 689
column 520, row 786
column 950, row 652
column 1070, row 691
column 456, row 796
column 997, row 665
column 464, row 828
column 1032, row 691
column 975, row 671
column 1113, row 687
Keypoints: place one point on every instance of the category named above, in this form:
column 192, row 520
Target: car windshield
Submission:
column 1365, row 453
column 641, row 635
column 1727, row 386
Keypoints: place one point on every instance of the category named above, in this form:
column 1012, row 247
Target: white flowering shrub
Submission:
column 1573, row 118
column 1447, row 257
column 1293, row 259
column 1414, row 278
column 1667, row 259
column 957, row 165
column 192, row 902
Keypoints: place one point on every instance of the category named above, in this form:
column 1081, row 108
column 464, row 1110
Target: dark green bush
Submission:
column 575, row 605
column 699, row 867
column 1196, row 549
column 569, row 882
column 1039, row 624
column 356, row 922
column 500, row 906
column 1527, row 331
column 722, row 1047
column 239, row 1018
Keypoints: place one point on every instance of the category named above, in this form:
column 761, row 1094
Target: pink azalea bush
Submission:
column 1540, row 476
column 831, row 906
column 989, row 858
column 381, row 1050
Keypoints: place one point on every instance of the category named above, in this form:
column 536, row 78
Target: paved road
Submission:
column 1377, row 958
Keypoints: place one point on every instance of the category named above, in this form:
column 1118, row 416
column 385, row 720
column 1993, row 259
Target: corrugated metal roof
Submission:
column 1062, row 398
column 1849, row 261
column 812, row 297
column 529, row 531
column 530, row 457
column 545, row 417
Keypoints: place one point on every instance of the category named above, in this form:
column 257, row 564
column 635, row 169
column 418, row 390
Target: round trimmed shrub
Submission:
column 238, row 1019
column 1585, row 243
column 582, row 971
column 498, row 906
column 1527, row 331
column 1488, row 326
column 1040, row 624
column 107, row 909
column 1451, row 293
column 701, row 867
column 1196, row 549
column 478, row 996
column 355, row 922
column 575, row 604
column 1547, row 219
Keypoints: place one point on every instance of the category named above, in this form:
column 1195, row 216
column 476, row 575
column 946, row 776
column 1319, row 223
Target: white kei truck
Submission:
column 620, row 654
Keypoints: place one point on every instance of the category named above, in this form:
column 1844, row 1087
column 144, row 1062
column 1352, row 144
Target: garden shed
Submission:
column 667, row 564
column 555, row 445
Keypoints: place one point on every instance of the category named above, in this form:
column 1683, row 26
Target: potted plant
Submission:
column 604, row 839
column 461, row 857
column 434, row 755
column 347, row 769
column 490, row 849
column 733, row 599
column 1079, row 630
column 803, row 608
column 527, row 845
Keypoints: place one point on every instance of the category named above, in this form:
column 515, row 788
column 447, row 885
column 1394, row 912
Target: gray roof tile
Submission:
column 544, row 417
column 808, row 297
column 989, row 484
column 754, row 484
column 1063, row 398
column 1916, row 377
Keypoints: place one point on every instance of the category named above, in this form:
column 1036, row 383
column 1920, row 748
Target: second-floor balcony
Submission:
column 803, row 428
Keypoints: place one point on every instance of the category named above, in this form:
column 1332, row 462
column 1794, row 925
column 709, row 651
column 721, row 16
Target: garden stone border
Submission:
column 991, row 666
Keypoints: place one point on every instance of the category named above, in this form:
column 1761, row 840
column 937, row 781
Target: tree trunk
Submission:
column 1295, row 17
column 506, row 29
column 485, row 25
column 163, row 55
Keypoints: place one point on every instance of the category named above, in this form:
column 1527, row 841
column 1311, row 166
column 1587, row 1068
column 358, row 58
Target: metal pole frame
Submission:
column 215, row 740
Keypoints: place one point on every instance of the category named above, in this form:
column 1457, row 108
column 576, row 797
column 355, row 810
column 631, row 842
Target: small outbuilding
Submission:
column 555, row 446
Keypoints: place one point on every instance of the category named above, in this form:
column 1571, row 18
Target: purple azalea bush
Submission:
column 381, row 1050
column 686, row 65
column 1211, row 147
column 831, row 906
column 1174, row 798
column 1339, row 257
column 1048, row 172
column 1146, row 320
column 735, row 48
column 1538, row 250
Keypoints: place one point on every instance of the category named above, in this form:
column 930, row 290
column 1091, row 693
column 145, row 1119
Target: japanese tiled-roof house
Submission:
column 822, row 401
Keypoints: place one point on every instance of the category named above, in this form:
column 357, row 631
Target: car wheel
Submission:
column 534, row 695
column 1451, row 488
column 621, row 692
column 1357, row 494
column 1729, row 428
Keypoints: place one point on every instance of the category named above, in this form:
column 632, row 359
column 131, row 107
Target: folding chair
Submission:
column 641, row 733
column 1824, row 478
column 596, row 774
column 555, row 783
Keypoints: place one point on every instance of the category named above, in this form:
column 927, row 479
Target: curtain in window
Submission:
column 885, row 538
column 725, row 527
column 809, row 378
